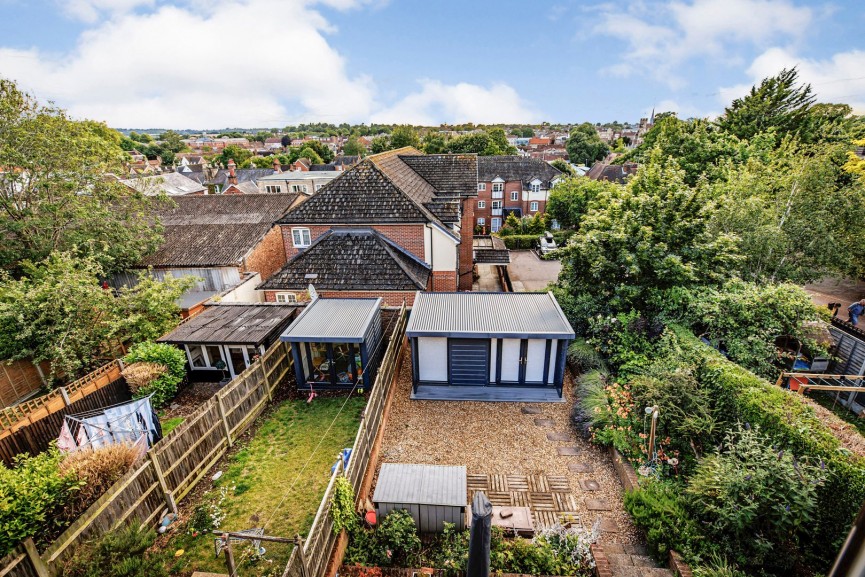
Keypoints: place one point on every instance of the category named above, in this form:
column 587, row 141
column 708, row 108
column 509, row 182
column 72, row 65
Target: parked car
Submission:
column 547, row 243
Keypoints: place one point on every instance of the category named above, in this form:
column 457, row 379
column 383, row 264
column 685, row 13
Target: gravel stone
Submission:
column 499, row 438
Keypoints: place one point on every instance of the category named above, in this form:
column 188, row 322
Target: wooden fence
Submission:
column 172, row 469
column 29, row 428
column 20, row 379
column 313, row 559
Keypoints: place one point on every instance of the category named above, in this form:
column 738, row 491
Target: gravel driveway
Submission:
column 498, row 438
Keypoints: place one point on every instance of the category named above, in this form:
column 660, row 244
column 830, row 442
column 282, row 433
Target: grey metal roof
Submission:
column 488, row 315
column 421, row 484
column 333, row 321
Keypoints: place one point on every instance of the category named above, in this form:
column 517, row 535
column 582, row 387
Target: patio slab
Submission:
column 568, row 451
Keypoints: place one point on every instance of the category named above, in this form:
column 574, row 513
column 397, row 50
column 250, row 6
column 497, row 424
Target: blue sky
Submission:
column 214, row 63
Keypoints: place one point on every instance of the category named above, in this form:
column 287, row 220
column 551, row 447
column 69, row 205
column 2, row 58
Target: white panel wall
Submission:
column 535, row 356
column 494, row 351
column 443, row 250
column 432, row 353
column 510, row 360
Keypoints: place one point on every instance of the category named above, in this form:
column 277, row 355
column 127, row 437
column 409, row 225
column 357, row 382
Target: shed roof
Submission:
column 233, row 324
column 421, row 484
column 333, row 321
column 171, row 183
column 488, row 315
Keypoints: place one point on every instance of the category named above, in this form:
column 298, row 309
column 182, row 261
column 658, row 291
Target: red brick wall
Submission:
column 269, row 256
column 408, row 236
column 391, row 298
column 445, row 281
column 467, row 227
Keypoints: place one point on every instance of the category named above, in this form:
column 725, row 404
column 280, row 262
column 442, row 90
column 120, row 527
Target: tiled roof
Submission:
column 251, row 324
column 447, row 173
column 216, row 230
column 612, row 172
column 387, row 187
column 361, row 195
column 511, row 168
column 351, row 260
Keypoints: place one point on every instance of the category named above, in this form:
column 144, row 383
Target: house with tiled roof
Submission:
column 412, row 207
column 220, row 239
column 506, row 184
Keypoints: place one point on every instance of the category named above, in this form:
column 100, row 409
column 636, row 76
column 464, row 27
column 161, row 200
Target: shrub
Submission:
column 753, row 499
column 140, row 375
column 393, row 543
column 120, row 553
column 342, row 506
column 584, row 357
column 164, row 387
column 31, row 494
column 97, row 470
column 660, row 510
column 520, row 241
column 625, row 340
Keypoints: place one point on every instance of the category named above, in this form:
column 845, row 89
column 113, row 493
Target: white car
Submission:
column 547, row 243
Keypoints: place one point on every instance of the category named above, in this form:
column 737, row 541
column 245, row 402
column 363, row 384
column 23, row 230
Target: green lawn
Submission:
column 169, row 425
column 258, row 477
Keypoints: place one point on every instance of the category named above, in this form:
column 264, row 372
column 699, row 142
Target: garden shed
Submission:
column 432, row 494
column 488, row 346
column 224, row 339
column 337, row 343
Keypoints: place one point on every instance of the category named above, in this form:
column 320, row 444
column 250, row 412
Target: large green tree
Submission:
column 584, row 145
column 353, row 147
column 570, row 199
column 241, row 156
column 637, row 241
column 404, row 135
column 778, row 103
column 58, row 312
column 54, row 193
column 797, row 213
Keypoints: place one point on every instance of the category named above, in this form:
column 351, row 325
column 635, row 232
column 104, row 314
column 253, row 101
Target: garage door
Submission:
column 468, row 361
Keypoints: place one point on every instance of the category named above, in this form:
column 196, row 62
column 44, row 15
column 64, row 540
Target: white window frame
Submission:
column 496, row 204
column 318, row 187
column 482, row 186
column 482, row 204
column 515, row 195
column 536, row 188
column 286, row 298
column 298, row 188
column 297, row 237
column 272, row 188
column 482, row 221
column 533, row 206
column 498, row 187
column 495, row 224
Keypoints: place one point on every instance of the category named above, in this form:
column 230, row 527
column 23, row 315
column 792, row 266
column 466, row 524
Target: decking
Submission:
column 487, row 394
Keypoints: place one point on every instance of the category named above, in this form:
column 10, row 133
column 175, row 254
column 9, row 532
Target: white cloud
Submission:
column 437, row 103
column 661, row 36
column 839, row 79
column 247, row 63
column 91, row 10
column 218, row 63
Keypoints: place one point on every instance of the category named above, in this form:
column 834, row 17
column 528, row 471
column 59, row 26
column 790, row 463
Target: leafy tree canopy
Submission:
column 310, row 153
column 353, row 147
column 54, row 194
column 584, row 145
column 563, row 166
column 569, row 199
column 59, row 312
column 404, row 135
column 637, row 241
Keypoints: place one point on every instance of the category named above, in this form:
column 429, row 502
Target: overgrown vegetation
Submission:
column 163, row 386
column 711, row 239
column 125, row 552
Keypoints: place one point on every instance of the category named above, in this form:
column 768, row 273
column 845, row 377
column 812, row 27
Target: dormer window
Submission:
column 498, row 187
column 536, row 187
column 300, row 237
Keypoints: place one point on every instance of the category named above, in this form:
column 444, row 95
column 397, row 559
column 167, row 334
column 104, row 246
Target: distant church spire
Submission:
column 652, row 119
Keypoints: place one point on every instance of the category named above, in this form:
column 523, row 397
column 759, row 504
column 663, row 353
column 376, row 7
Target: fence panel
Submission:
column 137, row 495
column 33, row 438
column 191, row 448
column 17, row 564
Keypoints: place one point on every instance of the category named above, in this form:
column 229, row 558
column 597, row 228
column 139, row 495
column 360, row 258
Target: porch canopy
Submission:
column 476, row 315
column 335, row 342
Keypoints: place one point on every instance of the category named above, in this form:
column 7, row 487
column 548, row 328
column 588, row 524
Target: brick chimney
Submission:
column 232, row 177
column 277, row 168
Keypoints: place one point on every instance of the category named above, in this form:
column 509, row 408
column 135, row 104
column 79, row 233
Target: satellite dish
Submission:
column 313, row 294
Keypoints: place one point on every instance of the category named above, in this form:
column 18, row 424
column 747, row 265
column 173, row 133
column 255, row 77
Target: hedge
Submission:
column 518, row 241
column 740, row 395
